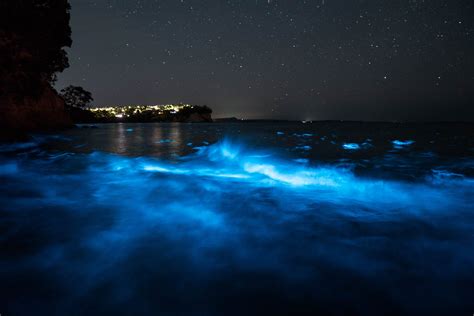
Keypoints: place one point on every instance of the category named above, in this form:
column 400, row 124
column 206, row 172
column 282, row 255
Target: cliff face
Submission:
column 31, row 113
column 27, row 101
column 33, row 35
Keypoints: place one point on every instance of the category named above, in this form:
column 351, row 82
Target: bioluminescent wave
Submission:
column 351, row 146
column 226, row 225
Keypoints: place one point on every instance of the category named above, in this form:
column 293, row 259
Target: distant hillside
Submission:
column 143, row 113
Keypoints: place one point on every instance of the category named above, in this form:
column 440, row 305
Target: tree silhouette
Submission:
column 33, row 34
column 76, row 97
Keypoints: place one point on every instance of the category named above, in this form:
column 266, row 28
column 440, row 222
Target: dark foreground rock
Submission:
column 34, row 113
column 23, row 114
column 33, row 37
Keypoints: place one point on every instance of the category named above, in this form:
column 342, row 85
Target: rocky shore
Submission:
column 46, row 111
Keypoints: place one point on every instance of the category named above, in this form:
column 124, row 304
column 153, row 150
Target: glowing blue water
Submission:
column 403, row 142
column 351, row 146
column 230, row 228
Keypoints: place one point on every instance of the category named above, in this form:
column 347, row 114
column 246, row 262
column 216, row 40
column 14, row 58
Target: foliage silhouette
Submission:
column 76, row 97
column 33, row 35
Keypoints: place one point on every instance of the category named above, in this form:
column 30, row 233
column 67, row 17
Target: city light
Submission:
column 121, row 111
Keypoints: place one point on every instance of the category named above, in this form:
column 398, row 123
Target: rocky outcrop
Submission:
column 198, row 118
column 33, row 37
column 32, row 113
column 27, row 100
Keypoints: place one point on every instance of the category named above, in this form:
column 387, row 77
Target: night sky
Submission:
column 312, row 60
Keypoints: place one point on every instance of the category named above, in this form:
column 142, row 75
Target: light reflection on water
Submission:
column 126, row 224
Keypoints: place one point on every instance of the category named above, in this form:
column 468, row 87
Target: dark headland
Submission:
column 33, row 39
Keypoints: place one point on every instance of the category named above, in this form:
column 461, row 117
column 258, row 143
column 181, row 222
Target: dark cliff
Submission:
column 44, row 111
column 33, row 34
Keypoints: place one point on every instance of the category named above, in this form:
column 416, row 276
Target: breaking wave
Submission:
column 102, row 228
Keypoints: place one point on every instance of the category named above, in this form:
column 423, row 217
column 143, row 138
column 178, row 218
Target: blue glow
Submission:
column 303, row 135
column 8, row 168
column 402, row 143
column 99, row 225
column 305, row 147
column 351, row 146
column 165, row 141
column 301, row 160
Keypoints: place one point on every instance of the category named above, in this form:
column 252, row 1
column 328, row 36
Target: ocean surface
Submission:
column 239, row 219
